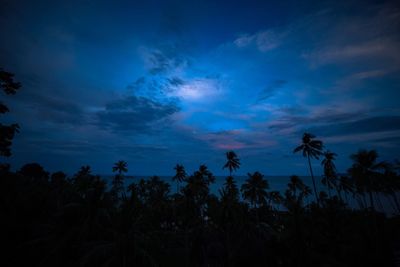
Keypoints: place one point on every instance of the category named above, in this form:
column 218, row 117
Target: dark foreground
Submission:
column 54, row 220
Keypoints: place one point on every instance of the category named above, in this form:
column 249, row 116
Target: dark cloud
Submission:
column 165, row 59
column 58, row 110
column 176, row 81
column 271, row 89
column 325, row 117
column 136, row 114
column 368, row 125
column 136, row 85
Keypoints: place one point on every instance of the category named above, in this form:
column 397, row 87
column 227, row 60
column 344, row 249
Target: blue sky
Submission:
column 157, row 83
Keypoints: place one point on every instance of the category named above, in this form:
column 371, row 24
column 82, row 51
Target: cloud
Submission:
column 136, row 85
column 295, row 120
column 135, row 114
column 357, row 80
column 166, row 59
column 371, row 36
column 367, row 125
column 176, row 81
column 197, row 89
column 264, row 41
column 382, row 139
column 381, row 49
column 270, row 90
column 237, row 139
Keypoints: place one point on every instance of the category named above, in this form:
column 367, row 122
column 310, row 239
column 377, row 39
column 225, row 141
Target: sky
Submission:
column 156, row 83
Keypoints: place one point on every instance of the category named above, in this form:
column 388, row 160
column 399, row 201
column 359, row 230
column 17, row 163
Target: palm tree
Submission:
column 118, row 182
column 230, row 192
column 329, row 170
column 120, row 167
column 205, row 173
column 365, row 170
column 254, row 189
column 180, row 175
column 345, row 184
column 297, row 191
column 276, row 198
column 311, row 149
column 232, row 163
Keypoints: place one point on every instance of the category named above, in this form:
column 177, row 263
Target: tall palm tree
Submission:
column 232, row 163
column 180, row 175
column 254, row 189
column 311, row 148
column 329, row 170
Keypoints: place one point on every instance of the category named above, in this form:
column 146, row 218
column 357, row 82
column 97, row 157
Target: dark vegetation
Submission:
column 50, row 219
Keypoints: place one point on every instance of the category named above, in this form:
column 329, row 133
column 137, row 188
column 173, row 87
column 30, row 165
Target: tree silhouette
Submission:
column 330, row 175
column 230, row 192
column 311, row 148
column 75, row 222
column 7, row 132
column 120, row 167
column 296, row 193
column 197, row 189
column 275, row 198
column 254, row 189
column 345, row 184
column 35, row 172
column 205, row 173
column 232, row 163
column 365, row 172
column 180, row 175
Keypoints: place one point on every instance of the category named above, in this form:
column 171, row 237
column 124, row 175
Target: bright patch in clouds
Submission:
column 198, row 90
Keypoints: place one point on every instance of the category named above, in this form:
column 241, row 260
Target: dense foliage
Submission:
column 55, row 220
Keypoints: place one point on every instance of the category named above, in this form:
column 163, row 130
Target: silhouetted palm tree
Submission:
column 254, row 189
column 120, row 167
column 311, row 148
column 230, row 192
column 118, row 181
column 345, row 184
column 232, row 163
column 297, row 191
column 365, row 171
column 205, row 173
column 180, row 175
column 329, row 170
column 276, row 198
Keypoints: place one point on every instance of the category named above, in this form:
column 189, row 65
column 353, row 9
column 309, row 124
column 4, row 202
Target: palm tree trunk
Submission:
column 378, row 201
column 371, row 200
column 339, row 194
column 313, row 180
column 329, row 191
column 396, row 201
